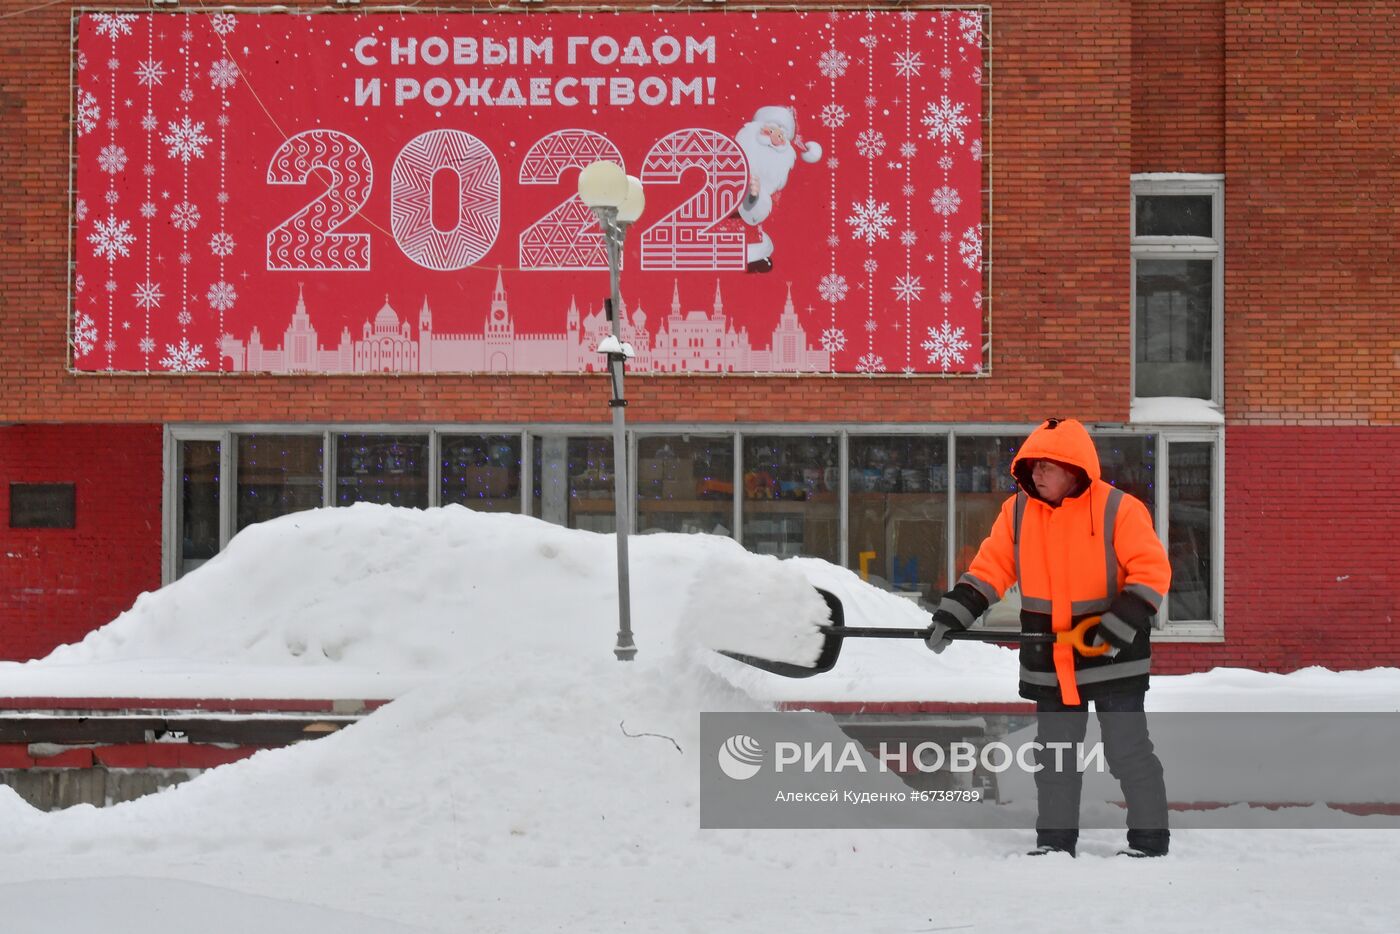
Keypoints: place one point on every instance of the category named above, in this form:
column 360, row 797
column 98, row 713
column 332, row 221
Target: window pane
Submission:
column 984, row 482
column 481, row 471
column 199, row 504
column 574, row 483
column 1174, row 216
column 387, row 469
column 278, row 474
column 899, row 511
column 685, row 483
column 1129, row 463
column 1173, row 317
column 1189, row 529
column 790, row 496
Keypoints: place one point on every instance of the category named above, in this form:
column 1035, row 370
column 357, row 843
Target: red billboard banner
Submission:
column 390, row 192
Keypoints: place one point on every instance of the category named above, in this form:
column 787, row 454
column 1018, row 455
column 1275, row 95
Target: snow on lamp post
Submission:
column 617, row 200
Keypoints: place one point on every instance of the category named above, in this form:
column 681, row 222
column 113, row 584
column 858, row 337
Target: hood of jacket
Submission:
column 1064, row 440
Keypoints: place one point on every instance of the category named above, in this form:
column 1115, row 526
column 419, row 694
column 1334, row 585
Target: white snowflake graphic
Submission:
column 870, row 143
column 185, row 216
column 187, row 94
column 872, row 101
column 147, row 345
column 148, row 209
column 946, row 201
column 79, row 283
column 223, row 74
column 114, row 24
column 84, row 334
column 150, row 73
column 223, row 23
column 907, row 150
column 148, row 295
column 977, row 76
column 907, row 289
column 113, row 63
column 907, row 64
column 971, row 248
column 976, row 150
column 184, row 317
column 870, row 40
column 832, row 288
column 870, row 266
column 186, row 139
column 833, row 241
column 945, row 120
column 89, row 112
column 148, row 122
column 184, row 358
column 945, row 346
column 871, row 325
column 832, row 63
column 945, row 162
column 908, row 238
column 944, row 237
column 945, row 297
column 870, row 221
column 110, row 285
column 834, row 116
column 82, row 61
column 221, row 296
column 221, row 244
column 977, row 300
column 81, row 209
column 907, row 190
column 112, row 238
column 111, row 197
column 223, row 120
column 970, row 24
column 945, row 72
column 184, row 258
column 223, row 197
column 113, row 123
column 112, row 159
column 870, row 363
column 833, row 340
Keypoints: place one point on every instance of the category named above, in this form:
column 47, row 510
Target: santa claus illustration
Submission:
column 771, row 144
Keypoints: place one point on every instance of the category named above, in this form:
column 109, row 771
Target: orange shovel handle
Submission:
column 1076, row 638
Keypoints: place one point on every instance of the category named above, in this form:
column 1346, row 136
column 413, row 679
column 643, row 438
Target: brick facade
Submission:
column 1294, row 103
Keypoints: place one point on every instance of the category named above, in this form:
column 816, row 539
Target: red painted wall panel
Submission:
column 57, row 584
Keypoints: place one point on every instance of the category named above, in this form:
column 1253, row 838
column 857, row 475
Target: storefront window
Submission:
column 198, row 519
column 685, row 483
column 277, row 475
column 481, row 471
column 1174, row 301
column 790, row 496
column 899, row 511
column 1129, row 462
column 1189, row 529
column 387, row 469
column 574, row 482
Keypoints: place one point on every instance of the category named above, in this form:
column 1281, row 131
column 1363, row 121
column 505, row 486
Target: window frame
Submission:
column 1178, row 248
column 1166, row 434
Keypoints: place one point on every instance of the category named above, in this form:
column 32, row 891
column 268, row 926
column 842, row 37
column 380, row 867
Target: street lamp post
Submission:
column 617, row 200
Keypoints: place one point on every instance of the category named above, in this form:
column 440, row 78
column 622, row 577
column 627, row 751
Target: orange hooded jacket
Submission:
column 1095, row 554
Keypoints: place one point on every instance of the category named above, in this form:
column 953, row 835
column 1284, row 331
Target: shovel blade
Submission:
column 826, row 659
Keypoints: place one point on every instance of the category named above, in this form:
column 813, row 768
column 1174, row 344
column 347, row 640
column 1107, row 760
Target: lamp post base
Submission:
column 626, row 649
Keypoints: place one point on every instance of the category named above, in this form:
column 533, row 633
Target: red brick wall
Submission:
column 1060, row 147
column 57, row 584
column 1178, row 86
column 1312, row 295
column 1311, row 515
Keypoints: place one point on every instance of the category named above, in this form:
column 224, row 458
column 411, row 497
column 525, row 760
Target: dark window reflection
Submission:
column 199, row 504
column 277, row 475
column 790, row 496
column 1173, row 321
column 574, row 482
column 899, row 515
column 388, row 469
column 481, row 471
column 685, row 483
column 1189, row 529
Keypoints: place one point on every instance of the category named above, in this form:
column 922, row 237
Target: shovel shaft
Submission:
column 879, row 632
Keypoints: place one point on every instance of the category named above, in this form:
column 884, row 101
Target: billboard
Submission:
column 284, row 192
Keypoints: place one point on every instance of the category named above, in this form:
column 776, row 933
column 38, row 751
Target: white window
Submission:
column 1178, row 284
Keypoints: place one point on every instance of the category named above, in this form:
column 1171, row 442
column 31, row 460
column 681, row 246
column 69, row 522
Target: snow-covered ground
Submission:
column 502, row 792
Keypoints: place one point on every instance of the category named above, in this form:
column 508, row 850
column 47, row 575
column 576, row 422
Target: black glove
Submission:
column 938, row 633
column 1098, row 639
column 1128, row 617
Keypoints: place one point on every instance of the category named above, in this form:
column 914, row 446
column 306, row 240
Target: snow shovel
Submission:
column 836, row 631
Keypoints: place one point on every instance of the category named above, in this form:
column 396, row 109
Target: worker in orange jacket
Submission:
column 1081, row 549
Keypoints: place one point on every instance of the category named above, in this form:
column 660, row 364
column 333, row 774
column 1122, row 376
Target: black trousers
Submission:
column 1130, row 757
